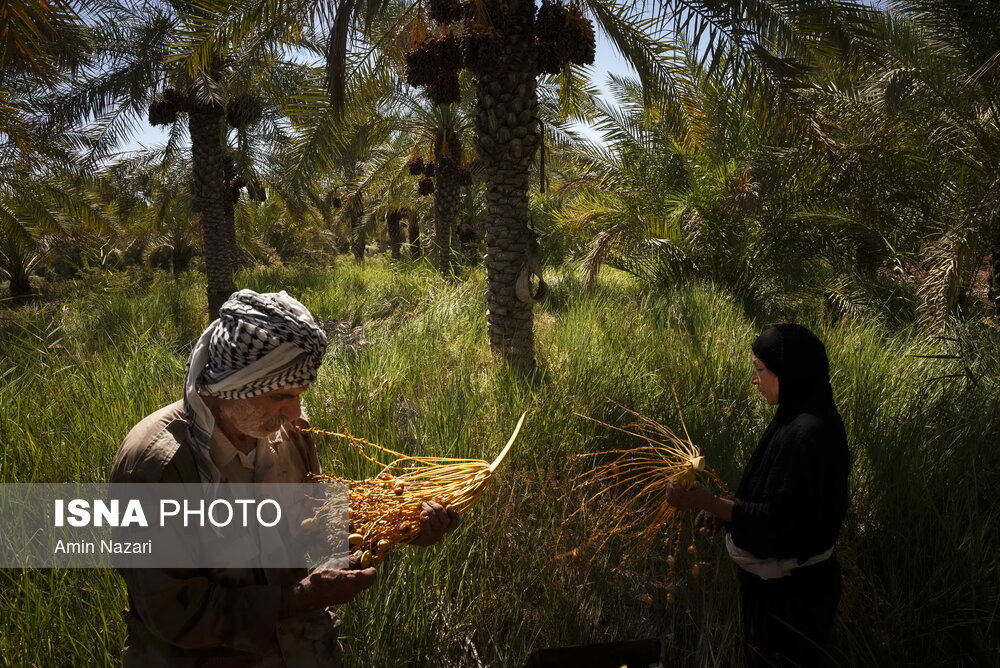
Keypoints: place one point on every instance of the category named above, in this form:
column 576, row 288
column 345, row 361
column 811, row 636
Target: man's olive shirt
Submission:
column 218, row 618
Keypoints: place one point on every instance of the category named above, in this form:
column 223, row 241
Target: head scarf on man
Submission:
column 798, row 358
column 260, row 342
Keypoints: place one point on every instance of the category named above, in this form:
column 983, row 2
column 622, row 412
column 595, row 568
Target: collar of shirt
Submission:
column 223, row 451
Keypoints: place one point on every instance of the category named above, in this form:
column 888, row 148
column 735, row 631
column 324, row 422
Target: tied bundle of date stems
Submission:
column 626, row 494
column 385, row 510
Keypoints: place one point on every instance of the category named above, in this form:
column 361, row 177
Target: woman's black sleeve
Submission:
column 777, row 519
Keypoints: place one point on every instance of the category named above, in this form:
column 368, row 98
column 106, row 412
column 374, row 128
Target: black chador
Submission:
column 789, row 507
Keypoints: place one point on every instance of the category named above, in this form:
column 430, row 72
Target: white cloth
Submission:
column 769, row 569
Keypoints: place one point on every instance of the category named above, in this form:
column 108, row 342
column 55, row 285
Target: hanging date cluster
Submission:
column 426, row 170
column 562, row 35
column 470, row 35
column 241, row 111
column 423, row 169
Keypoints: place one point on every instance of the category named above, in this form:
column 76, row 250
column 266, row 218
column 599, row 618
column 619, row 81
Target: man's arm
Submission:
column 323, row 587
column 186, row 609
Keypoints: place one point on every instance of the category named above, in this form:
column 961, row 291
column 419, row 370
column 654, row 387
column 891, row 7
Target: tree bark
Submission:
column 866, row 258
column 20, row 289
column 994, row 291
column 209, row 190
column 177, row 262
column 468, row 242
column 395, row 233
column 508, row 135
column 230, row 196
column 413, row 235
column 358, row 238
column 447, row 200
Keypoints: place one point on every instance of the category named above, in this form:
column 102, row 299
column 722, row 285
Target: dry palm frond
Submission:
column 385, row 510
column 599, row 250
column 628, row 493
column 951, row 262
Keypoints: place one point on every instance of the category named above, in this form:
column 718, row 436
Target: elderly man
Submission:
column 236, row 424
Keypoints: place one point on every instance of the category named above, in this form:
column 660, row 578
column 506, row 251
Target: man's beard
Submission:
column 249, row 421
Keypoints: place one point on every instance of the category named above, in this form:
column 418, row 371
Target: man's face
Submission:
column 262, row 415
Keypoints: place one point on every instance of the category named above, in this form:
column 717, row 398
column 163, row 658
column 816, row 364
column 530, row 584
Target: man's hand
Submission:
column 354, row 560
column 435, row 521
column 684, row 498
column 323, row 587
column 333, row 585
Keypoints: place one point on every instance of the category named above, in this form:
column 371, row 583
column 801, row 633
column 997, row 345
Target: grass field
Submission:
column 920, row 546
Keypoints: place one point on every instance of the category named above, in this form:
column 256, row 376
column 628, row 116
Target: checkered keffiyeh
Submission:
column 261, row 342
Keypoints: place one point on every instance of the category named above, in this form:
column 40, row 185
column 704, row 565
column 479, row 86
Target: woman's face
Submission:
column 765, row 380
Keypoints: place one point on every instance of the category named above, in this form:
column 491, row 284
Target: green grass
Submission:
column 919, row 549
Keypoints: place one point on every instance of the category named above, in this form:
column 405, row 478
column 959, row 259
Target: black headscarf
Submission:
column 798, row 358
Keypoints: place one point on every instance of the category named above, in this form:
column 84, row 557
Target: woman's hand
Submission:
column 709, row 522
column 685, row 498
column 719, row 509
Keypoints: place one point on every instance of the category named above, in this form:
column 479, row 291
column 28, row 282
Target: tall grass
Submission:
column 919, row 549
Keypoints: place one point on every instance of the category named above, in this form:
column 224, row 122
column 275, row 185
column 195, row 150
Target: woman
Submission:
column 783, row 522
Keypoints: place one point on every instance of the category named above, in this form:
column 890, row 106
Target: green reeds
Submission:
column 919, row 549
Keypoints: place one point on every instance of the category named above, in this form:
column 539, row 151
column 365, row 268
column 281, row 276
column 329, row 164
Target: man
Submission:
column 236, row 424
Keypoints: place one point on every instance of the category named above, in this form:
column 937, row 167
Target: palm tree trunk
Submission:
column 468, row 242
column 507, row 138
column 207, row 158
column 413, row 236
column 229, row 206
column 446, row 201
column 177, row 262
column 866, row 258
column 20, row 289
column 358, row 238
column 395, row 233
column 994, row 290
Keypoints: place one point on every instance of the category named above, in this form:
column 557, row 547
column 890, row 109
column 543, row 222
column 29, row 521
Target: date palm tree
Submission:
column 141, row 69
column 941, row 79
column 41, row 44
column 441, row 132
column 768, row 44
column 38, row 209
column 151, row 195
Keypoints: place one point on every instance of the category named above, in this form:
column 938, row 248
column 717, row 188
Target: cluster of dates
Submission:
column 241, row 110
column 562, row 35
column 237, row 182
column 426, row 170
column 468, row 37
